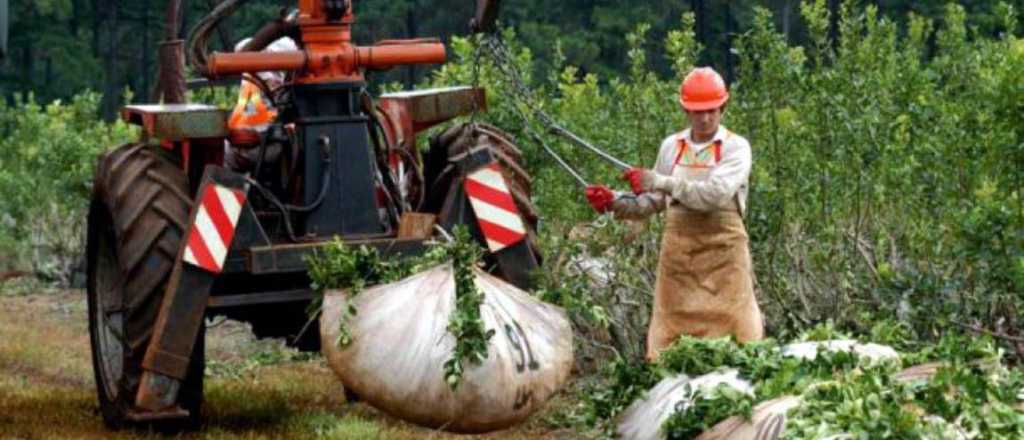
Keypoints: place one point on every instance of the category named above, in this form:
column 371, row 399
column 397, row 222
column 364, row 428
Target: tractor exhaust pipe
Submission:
column 171, row 78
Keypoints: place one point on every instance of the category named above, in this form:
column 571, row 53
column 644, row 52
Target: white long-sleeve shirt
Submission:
column 705, row 176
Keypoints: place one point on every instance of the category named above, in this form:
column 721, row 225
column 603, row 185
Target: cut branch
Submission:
column 994, row 334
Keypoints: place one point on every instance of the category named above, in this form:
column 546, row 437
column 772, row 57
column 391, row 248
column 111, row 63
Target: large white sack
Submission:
column 643, row 419
column 767, row 422
column 401, row 342
column 871, row 351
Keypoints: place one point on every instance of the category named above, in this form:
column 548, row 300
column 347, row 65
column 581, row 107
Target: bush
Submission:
column 886, row 183
column 47, row 155
column 840, row 392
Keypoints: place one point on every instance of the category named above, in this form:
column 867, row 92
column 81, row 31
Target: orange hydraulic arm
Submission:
column 329, row 54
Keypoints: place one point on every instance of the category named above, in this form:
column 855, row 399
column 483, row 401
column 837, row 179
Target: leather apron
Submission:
column 704, row 285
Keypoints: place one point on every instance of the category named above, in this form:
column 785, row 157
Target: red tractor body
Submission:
column 176, row 235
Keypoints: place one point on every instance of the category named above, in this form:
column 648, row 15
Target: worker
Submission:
column 704, row 284
column 253, row 113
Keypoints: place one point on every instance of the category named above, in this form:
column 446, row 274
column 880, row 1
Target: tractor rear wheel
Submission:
column 137, row 219
column 459, row 139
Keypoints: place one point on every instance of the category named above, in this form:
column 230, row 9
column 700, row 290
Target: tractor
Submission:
column 176, row 235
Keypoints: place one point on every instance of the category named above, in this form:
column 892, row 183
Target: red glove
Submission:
column 600, row 197
column 635, row 177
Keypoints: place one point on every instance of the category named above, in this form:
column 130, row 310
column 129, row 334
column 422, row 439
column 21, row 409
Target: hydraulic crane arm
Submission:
column 486, row 16
column 328, row 54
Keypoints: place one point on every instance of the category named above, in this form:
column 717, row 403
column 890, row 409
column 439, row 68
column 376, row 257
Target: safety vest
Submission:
column 252, row 111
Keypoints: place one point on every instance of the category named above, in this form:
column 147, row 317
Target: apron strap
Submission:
column 681, row 147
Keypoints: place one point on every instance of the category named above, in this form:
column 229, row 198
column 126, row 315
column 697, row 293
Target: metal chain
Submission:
column 521, row 93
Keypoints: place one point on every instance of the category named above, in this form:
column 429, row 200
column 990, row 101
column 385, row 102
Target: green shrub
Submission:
column 47, row 156
column 887, row 169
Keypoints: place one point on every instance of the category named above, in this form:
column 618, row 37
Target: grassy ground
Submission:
column 254, row 389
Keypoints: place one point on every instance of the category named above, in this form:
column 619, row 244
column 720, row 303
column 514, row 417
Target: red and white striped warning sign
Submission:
column 214, row 227
column 494, row 207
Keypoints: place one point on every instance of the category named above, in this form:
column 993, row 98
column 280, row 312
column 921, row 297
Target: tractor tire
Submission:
column 457, row 140
column 137, row 218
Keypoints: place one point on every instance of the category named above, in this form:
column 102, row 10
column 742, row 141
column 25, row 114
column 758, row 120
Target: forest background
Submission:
column 59, row 48
column 888, row 142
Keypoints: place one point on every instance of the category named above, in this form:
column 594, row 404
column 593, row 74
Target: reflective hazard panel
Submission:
column 214, row 227
column 495, row 209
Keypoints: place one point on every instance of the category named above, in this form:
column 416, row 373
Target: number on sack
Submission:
column 517, row 337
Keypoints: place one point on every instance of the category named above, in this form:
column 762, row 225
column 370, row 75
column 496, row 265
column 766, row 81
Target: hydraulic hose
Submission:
column 200, row 35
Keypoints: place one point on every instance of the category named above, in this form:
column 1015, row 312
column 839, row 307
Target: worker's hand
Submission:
column 640, row 180
column 600, row 197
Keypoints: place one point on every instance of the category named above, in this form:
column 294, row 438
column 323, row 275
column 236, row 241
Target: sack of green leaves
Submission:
column 709, row 389
column 450, row 347
column 684, row 401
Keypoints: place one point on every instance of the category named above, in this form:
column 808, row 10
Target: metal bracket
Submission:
column 473, row 160
column 182, row 310
column 516, row 262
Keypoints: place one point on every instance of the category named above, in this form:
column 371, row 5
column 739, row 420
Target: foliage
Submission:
column 622, row 382
column 709, row 408
column 339, row 266
column 840, row 392
column 47, row 155
column 465, row 323
column 967, row 397
column 59, row 48
column 885, row 180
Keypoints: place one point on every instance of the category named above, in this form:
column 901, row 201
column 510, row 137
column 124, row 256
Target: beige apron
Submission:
column 705, row 280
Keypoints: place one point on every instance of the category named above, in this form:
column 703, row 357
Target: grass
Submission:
column 254, row 389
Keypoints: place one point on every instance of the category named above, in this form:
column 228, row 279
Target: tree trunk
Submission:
column 144, row 60
column 833, row 22
column 700, row 21
column 730, row 29
column 97, row 21
column 48, row 70
column 183, row 19
column 111, row 91
column 410, row 32
column 171, row 19
column 27, row 65
column 76, row 15
column 787, row 12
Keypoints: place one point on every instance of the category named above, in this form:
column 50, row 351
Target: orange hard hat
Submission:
column 703, row 89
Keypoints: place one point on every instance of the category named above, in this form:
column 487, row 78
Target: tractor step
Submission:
column 144, row 416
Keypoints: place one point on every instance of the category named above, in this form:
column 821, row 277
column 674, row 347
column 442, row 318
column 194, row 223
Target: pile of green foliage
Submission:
column 972, row 392
column 352, row 268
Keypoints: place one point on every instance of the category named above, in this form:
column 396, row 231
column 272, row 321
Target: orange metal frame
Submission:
column 329, row 54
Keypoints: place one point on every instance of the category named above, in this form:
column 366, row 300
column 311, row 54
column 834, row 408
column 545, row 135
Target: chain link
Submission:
column 521, row 93
column 504, row 60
